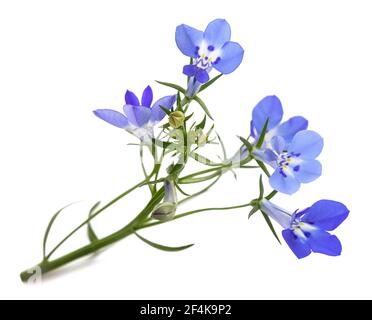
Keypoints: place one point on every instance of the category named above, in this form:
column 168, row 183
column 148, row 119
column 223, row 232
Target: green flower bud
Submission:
column 176, row 119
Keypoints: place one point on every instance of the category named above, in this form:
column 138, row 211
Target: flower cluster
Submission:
column 289, row 148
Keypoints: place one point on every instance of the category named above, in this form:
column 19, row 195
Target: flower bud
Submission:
column 176, row 119
column 164, row 211
column 167, row 209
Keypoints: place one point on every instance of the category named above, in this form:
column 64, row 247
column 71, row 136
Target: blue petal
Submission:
column 322, row 242
column 137, row 116
column 269, row 107
column 190, row 70
column 131, row 98
column 278, row 144
column 230, row 58
column 217, row 33
column 112, row 117
column 147, row 97
column 326, row 214
column 202, row 76
column 299, row 247
column 308, row 144
column 308, row 171
column 288, row 184
column 289, row 128
column 157, row 114
column 188, row 39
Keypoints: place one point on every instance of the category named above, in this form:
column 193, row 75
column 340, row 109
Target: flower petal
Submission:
column 278, row 144
column 202, row 76
column 299, row 247
column 190, row 70
column 321, row 241
column 217, row 33
column 308, row 171
column 289, row 128
column 270, row 108
column 113, row 117
column 281, row 216
column 157, row 114
column 326, row 214
column 288, row 184
column 308, row 144
column 230, row 57
column 137, row 116
column 188, row 39
column 131, row 98
column 147, row 97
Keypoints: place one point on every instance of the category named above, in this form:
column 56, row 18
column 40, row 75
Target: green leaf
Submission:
column 271, row 195
column 166, row 110
column 180, row 190
column 188, row 117
column 202, row 159
column 172, row 85
column 161, row 247
column 246, row 143
column 263, row 167
column 49, row 227
column 91, row 234
column 210, row 82
column 262, row 135
column 179, row 107
column 222, row 146
column 201, row 125
column 252, row 212
column 203, row 105
column 268, row 221
column 262, row 190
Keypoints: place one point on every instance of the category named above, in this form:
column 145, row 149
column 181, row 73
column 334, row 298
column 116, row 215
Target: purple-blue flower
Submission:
column 138, row 118
column 209, row 49
column 294, row 162
column 306, row 231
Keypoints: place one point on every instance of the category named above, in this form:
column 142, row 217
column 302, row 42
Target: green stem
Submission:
column 93, row 216
column 47, row 266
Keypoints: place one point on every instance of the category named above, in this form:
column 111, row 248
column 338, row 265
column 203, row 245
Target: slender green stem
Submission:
column 188, row 213
column 93, row 216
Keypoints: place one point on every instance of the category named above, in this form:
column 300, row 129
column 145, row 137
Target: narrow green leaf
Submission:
column 49, row 227
column 210, row 82
column 262, row 135
column 91, row 234
column 271, row 195
column 188, row 117
column 166, row 110
column 246, row 143
column 161, row 247
column 268, row 221
column 202, row 159
column 201, row 125
column 180, row 190
column 203, row 105
column 252, row 212
column 263, row 167
column 179, row 107
column 262, row 190
column 172, row 85
column 222, row 147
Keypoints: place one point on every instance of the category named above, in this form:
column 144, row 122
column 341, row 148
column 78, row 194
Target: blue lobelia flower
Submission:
column 294, row 163
column 306, row 231
column 209, row 49
column 139, row 118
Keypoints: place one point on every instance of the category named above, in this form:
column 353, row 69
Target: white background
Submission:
column 59, row 60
